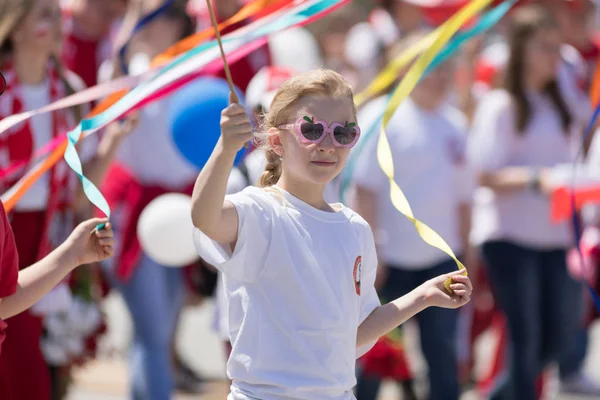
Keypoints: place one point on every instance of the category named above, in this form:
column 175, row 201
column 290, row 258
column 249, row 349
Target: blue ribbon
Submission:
column 90, row 190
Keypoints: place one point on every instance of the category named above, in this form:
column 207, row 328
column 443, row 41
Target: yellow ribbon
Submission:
column 390, row 73
column 384, row 153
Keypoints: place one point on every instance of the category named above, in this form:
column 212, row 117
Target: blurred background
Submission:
column 482, row 146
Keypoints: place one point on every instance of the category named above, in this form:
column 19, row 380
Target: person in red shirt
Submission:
column 19, row 290
column 87, row 30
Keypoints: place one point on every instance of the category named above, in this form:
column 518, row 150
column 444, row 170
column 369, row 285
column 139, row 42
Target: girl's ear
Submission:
column 275, row 141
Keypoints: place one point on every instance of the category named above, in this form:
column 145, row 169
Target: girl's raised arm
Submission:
column 211, row 214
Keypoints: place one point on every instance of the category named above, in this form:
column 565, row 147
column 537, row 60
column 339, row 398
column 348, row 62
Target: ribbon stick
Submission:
column 213, row 19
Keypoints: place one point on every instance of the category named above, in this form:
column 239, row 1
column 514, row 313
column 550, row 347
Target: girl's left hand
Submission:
column 436, row 295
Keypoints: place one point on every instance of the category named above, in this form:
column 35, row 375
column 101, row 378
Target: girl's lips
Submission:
column 324, row 163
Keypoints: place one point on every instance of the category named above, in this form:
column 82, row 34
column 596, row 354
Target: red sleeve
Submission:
column 9, row 262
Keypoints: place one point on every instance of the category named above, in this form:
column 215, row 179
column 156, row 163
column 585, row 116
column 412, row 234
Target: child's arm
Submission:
column 213, row 216
column 84, row 245
column 114, row 135
column 430, row 294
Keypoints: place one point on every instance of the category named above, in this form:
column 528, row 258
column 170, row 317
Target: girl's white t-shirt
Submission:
column 520, row 216
column 428, row 150
column 298, row 284
column 236, row 183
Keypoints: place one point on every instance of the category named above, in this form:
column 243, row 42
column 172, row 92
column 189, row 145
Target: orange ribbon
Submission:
column 257, row 8
column 595, row 88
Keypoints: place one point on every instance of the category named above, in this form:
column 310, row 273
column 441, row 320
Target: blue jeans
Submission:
column 437, row 327
column 572, row 363
column 543, row 306
column 154, row 297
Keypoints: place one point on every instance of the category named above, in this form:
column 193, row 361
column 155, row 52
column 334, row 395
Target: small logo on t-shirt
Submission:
column 357, row 274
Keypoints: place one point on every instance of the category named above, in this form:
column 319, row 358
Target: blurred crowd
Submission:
column 479, row 146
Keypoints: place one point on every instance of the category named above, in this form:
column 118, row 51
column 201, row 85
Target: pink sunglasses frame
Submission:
column 328, row 129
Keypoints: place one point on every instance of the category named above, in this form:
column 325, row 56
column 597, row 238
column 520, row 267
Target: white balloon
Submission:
column 165, row 230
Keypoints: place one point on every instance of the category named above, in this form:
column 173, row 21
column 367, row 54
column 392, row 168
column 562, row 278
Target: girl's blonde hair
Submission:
column 321, row 82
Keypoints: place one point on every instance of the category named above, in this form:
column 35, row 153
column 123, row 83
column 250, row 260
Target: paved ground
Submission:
column 106, row 379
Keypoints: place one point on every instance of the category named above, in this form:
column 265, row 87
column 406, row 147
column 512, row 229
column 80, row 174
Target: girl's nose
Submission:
column 327, row 143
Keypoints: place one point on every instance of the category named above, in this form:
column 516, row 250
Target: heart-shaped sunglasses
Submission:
column 311, row 131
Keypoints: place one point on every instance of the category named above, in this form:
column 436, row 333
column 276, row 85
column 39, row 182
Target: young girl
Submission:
column 298, row 273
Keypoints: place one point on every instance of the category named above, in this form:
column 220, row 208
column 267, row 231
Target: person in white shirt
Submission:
column 519, row 133
column 147, row 165
column 427, row 138
column 298, row 272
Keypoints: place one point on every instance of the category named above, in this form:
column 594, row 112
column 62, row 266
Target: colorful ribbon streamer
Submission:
column 117, row 88
column 257, row 8
column 180, row 71
column 486, row 22
column 390, row 73
column 384, row 153
column 89, row 189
